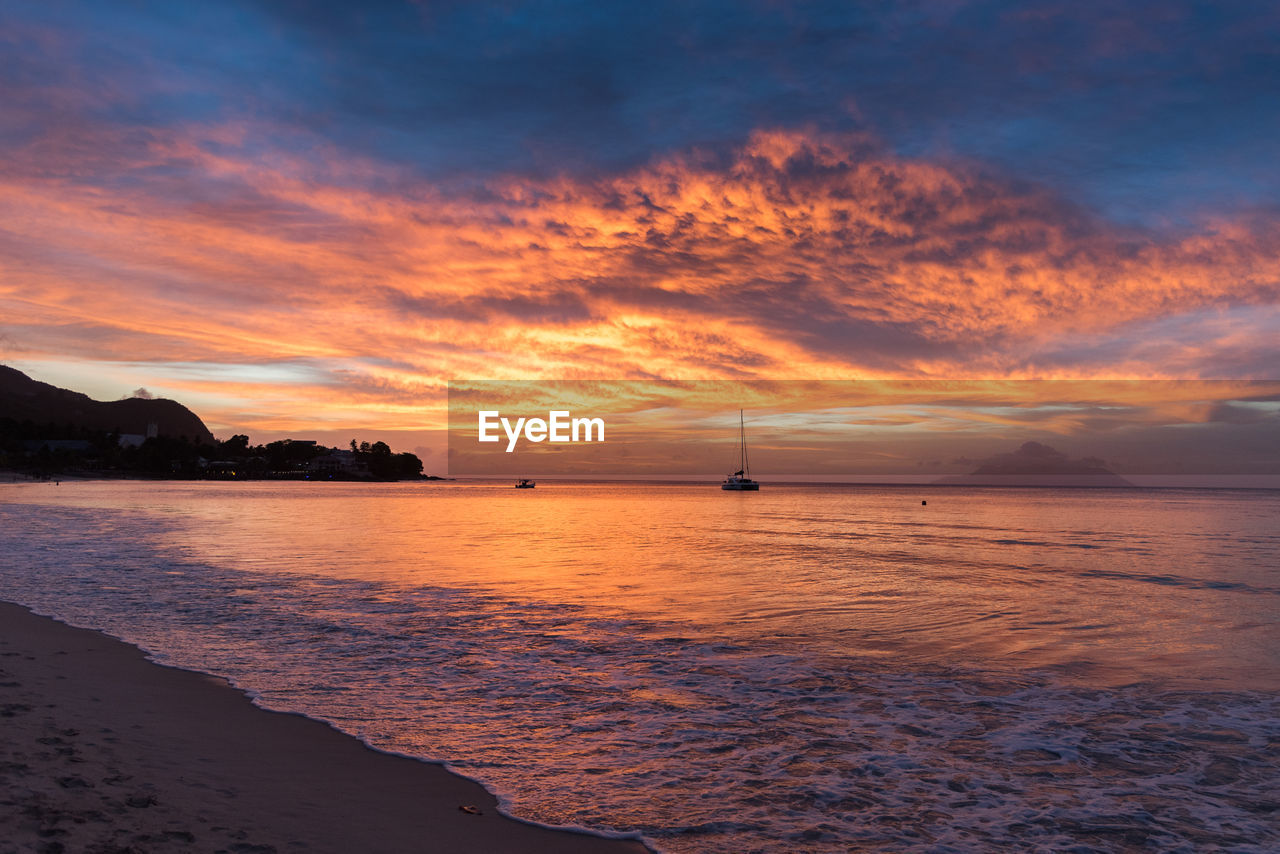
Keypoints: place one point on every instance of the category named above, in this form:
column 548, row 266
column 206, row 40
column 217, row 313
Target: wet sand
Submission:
column 102, row 750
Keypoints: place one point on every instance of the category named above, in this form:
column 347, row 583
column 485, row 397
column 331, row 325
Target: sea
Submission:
column 804, row 669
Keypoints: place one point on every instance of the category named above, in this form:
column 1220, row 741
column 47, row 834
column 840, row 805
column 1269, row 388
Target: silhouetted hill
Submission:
column 1035, row 464
column 22, row 398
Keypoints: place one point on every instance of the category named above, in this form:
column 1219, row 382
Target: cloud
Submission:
column 1235, row 413
column 340, row 208
column 799, row 254
column 1148, row 110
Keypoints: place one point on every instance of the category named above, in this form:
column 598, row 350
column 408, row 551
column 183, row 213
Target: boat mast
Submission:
column 742, row 433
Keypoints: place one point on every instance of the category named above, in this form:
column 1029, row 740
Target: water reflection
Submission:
column 1123, row 585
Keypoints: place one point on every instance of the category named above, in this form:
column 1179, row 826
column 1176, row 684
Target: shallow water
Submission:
column 803, row 669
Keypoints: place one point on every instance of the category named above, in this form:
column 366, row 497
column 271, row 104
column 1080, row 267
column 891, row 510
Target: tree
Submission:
column 236, row 446
column 409, row 465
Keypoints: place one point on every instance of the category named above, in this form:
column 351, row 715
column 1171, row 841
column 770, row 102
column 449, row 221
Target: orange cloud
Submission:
column 799, row 256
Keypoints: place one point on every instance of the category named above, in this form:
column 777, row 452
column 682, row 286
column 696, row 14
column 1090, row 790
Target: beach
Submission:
column 104, row 750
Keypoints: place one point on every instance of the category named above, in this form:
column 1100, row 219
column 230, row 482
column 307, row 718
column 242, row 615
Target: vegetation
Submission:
column 49, row 449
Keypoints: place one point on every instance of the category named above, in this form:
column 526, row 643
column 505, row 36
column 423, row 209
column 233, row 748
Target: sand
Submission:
column 104, row 752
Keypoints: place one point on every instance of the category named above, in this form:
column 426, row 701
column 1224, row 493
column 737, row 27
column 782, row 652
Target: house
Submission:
column 344, row 464
column 53, row 446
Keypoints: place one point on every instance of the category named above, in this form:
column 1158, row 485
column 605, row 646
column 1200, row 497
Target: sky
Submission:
column 1153, row 432
column 306, row 219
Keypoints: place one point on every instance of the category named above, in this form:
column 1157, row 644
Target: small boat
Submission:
column 525, row 483
column 740, row 480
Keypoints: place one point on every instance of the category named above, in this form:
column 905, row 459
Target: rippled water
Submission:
column 802, row 669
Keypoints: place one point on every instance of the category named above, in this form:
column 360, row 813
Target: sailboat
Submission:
column 741, row 480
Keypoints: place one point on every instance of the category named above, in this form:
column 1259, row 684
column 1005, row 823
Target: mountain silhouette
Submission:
column 23, row 399
column 1036, row 464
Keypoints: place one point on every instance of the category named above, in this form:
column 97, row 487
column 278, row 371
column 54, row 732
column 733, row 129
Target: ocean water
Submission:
column 802, row 669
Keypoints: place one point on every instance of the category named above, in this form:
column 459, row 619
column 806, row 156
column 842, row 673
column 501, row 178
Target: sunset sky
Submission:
column 304, row 219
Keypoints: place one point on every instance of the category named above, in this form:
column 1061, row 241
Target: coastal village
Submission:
column 48, row 432
column 234, row 459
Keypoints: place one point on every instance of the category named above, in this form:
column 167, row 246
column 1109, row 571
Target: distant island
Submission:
column 47, row 431
column 1037, row 464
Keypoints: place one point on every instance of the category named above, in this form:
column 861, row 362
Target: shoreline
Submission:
column 104, row 748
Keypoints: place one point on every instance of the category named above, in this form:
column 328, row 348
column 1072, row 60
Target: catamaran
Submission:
column 741, row 480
